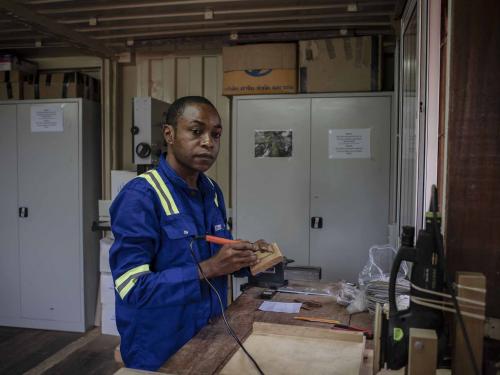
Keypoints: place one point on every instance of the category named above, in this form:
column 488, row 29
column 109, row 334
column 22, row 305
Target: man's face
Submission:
column 196, row 140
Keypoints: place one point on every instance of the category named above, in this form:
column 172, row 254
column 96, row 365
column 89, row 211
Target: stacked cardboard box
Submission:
column 12, row 72
column 92, row 88
column 260, row 69
column 61, row 85
column 325, row 65
column 11, row 85
column 340, row 65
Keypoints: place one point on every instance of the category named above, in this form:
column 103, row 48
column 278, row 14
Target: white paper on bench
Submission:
column 285, row 307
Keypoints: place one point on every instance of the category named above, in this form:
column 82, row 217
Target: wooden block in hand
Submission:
column 267, row 259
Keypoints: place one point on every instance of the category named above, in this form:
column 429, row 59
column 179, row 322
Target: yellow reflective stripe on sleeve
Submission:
column 123, row 278
column 158, row 192
column 127, row 288
column 166, row 191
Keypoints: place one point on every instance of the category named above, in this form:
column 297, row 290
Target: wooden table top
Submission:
column 212, row 347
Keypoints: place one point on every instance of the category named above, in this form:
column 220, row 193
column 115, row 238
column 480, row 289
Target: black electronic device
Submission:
column 273, row 278
column 426, row 273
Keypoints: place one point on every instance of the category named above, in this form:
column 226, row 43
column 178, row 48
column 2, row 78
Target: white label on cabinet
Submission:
column 47, row 118
column 349, row 143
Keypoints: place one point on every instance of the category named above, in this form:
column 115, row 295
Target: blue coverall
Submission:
column 160, row 301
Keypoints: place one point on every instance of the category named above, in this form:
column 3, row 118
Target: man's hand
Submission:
column 229, row 259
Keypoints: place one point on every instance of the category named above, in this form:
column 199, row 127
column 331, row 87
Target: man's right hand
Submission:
column 229, row 259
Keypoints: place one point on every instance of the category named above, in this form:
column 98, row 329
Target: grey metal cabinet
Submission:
column 323, row 209
column 270, row 194
column 50, row 160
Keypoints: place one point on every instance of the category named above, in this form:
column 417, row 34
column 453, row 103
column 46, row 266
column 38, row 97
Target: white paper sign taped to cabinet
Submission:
column 349, row 143
column 47, row 118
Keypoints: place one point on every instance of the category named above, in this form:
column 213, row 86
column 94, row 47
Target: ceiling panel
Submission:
column 108, row 27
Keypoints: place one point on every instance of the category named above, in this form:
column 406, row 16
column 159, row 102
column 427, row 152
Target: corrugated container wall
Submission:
column 170, row 77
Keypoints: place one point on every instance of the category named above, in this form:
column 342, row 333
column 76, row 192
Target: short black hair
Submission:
column 177, row 108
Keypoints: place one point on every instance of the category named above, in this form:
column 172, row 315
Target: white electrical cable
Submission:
column 441, row 302
column 462, row 299
column 418, row 301
column 478, row 290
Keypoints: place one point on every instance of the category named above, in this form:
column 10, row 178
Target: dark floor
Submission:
column 22, row 349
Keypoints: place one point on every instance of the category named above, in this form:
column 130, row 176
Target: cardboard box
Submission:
column 11, row 90
column 119, row 179
column 12, row 76
column 31, row 89
column 12, row 63
column 61, row 85
column 339, row 65
column 11, row 85
column 92, row 88
column 260, row 69
column 105, row 245
column 107, row 288
column 108, row 321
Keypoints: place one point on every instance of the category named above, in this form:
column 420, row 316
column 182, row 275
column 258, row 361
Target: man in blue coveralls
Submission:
column 161, row 298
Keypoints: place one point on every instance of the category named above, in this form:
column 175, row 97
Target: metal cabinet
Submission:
column 322, row 210
column 48, row 254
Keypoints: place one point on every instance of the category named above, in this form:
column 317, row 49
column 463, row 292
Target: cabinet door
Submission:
column 351, row 195
column 271, row 148
column 9, row 245
column 51, row 270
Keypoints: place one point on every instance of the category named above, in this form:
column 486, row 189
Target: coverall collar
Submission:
column 203, row 183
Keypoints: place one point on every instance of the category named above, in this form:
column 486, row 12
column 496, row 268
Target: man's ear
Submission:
column 168, row 134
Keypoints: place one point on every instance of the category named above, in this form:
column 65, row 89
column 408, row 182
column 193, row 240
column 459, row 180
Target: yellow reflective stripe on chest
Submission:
column 163, row 192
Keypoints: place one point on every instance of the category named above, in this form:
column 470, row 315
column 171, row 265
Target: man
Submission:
column 161, row 298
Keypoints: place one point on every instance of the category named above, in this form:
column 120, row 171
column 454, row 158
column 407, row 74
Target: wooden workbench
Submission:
column 212, row 347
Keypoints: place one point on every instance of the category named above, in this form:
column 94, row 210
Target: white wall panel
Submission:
column 170, row 77
column 223, row 165
column 195, row 76
column 169, row 80
column 182, row 77
column 143, row 78
column 156, row 79
column 210, row 79
column 128, row 89
column 209, row 85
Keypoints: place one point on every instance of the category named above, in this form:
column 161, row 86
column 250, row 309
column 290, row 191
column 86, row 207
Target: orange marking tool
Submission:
column 219, row 240
column 225, row 241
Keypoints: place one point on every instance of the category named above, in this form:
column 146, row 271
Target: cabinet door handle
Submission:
column 23, row 211
column 316, row 222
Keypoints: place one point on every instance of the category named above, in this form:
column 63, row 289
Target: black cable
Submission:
column 449, row 284
column 229, row 329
